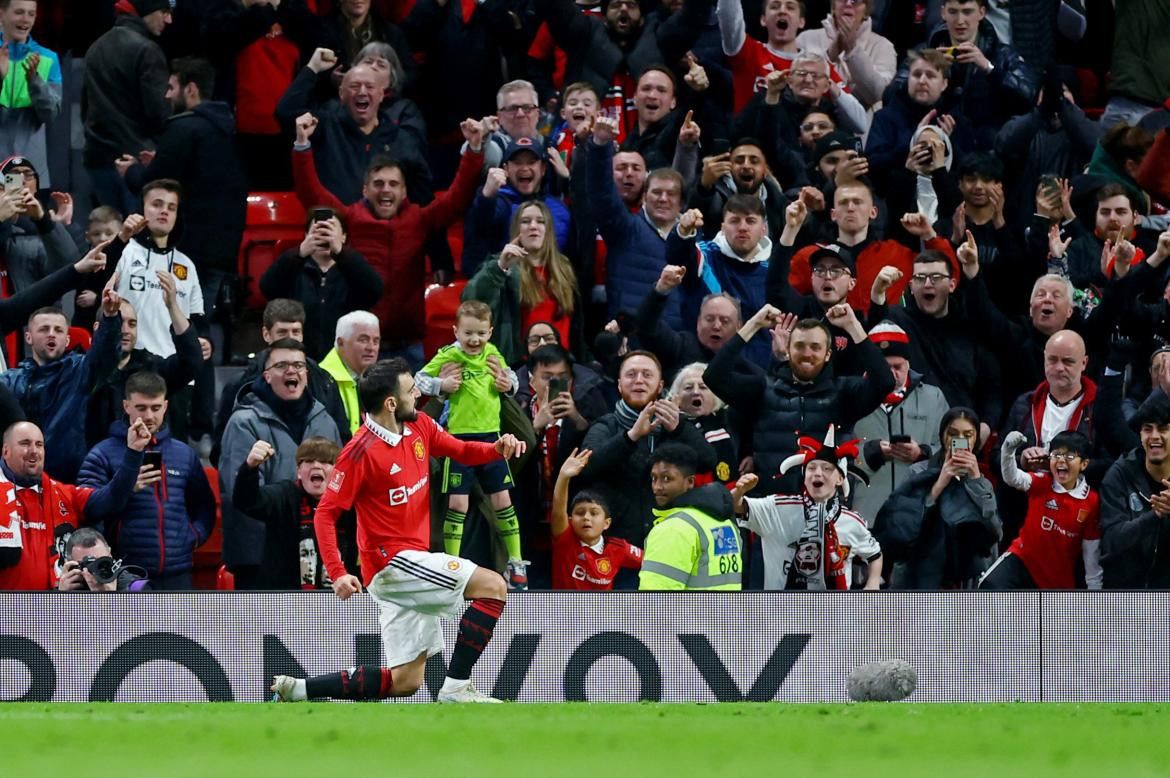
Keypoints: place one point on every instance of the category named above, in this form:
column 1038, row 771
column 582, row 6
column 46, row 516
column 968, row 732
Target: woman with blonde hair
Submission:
column 529, row 281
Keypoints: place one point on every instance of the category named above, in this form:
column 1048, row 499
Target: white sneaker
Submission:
column 285, row 688
column 465, row 693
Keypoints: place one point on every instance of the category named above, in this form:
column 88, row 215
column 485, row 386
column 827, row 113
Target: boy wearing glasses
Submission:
column 1062, row 520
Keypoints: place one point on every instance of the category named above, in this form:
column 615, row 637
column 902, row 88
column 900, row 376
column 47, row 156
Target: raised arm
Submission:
column 310, row 191
column 732, row 31
column 737, row 388
column 572, row 467
column 1013, row 476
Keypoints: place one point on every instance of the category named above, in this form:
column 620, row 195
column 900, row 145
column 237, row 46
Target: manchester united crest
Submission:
column 420, row 451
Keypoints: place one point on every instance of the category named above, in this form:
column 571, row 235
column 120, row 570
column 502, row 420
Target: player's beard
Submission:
column 401, row 416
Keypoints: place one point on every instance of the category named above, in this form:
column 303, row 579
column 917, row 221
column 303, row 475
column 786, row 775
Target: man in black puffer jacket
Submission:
column 989, row 79
column 197, row 149
column 802, row 398
column 622, row 443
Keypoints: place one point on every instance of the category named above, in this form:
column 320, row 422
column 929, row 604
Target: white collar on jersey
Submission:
column 597, row 547
column 385, row 434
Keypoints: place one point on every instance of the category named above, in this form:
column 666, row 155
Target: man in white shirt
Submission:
column 145, row 250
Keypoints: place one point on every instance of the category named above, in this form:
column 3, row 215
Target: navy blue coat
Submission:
column 159, row 529
column 635, row 252
column 55, row 396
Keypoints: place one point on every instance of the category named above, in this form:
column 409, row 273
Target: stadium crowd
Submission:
column 788, row 294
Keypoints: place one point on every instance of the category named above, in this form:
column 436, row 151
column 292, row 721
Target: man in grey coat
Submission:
column 274, row 408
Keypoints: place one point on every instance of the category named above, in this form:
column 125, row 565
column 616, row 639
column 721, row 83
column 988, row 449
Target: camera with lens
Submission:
column 104, row 569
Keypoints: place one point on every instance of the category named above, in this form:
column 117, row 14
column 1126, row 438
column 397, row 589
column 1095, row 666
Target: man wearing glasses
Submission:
column 943, row 345
column 275, row 408
column 866, row 61
column 518, row 113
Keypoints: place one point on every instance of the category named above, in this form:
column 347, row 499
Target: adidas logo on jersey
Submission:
column 1051, row 505
column 395, row 469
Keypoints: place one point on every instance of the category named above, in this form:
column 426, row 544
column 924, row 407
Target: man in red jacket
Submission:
column 37, row 512
column 389, row 230
column 853, row 211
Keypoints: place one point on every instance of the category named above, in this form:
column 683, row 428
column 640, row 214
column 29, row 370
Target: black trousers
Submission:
column 1007, row 573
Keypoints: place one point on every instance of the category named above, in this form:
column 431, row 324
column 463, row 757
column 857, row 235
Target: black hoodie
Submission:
column 197, row 148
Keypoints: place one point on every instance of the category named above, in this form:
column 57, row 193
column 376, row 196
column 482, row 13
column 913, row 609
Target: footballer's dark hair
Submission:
column 679, row 455
column 380, row 382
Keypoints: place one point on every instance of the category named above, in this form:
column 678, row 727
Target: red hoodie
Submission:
column 394, row 247
column 870, row 261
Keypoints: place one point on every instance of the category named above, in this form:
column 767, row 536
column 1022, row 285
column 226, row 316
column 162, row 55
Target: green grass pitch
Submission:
column 515, row 740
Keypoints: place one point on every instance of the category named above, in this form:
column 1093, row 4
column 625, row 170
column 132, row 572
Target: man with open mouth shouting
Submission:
column 275, row 408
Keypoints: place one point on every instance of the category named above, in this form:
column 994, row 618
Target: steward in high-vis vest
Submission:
column 694, row 544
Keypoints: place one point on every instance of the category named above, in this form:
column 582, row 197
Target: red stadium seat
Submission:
column 441, row 302
column 273, row 217
column 224, row 580
column 207, row 558
column 80, row 336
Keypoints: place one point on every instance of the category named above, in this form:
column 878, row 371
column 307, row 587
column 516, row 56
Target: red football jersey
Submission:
column 751, row 65
column 1050, row 540
column 577, row 566
column 386, row 480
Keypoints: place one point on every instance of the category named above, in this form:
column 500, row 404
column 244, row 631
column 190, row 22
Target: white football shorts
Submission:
column 413, row 591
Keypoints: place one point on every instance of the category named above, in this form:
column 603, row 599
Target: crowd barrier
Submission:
column 618, row 647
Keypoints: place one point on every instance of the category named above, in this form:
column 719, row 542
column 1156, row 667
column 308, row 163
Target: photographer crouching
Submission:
column 89, row 565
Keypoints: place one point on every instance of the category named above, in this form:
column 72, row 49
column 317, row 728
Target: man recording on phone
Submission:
column 172, row 509
column 326, row 276
column 989, row 78
column 89, row 565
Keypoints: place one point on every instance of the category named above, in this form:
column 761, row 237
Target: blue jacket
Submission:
column 722, row 271
column 489, row 225
column 158, row 529
column 635, row 251
column 55, row 396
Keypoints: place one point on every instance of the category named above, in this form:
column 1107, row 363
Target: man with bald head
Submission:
column 1065, row 400
column 1020, row 342
column 359, row 126
column 43, row 511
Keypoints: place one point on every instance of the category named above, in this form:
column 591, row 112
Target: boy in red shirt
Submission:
column 1061, row 522
column 582, row 558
